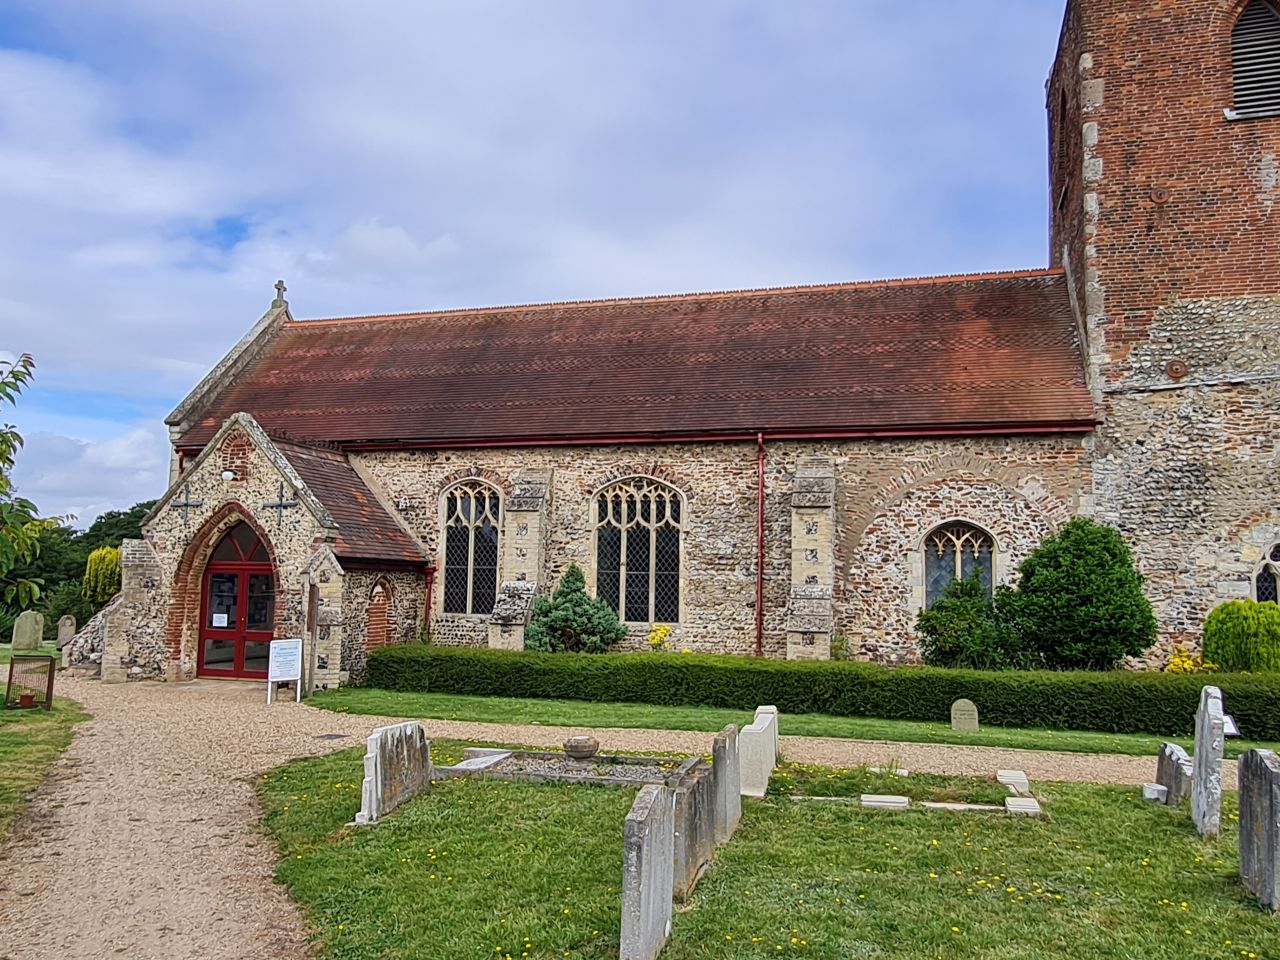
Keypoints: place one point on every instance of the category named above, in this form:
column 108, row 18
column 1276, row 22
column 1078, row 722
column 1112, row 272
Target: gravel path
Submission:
column 143, row 841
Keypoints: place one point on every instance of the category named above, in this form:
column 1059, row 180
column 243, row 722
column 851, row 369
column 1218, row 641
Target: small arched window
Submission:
column 471, row 512
column 956, row 551
column 638, row 550
column 1266, row 583
column 1255, row 61
column 378, row 618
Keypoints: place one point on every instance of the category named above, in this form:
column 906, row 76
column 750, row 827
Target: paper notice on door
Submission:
column 219, row 620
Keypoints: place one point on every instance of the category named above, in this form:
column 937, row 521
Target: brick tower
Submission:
column 1164, row 120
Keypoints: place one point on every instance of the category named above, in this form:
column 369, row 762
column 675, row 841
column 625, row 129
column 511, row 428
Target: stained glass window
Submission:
column 956, row 551
column 470, row 548
column 638, row 550
column 1266, row 583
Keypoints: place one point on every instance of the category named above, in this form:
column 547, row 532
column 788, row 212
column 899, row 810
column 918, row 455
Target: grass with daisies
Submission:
column 495, row 869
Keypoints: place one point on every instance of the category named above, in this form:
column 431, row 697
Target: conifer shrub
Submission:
column 1079, row 603
column 1243, row 635
column 570, row 621
column 964, row 629
column 101, row 579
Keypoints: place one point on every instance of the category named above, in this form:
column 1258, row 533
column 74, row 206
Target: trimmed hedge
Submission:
column 1112, row 701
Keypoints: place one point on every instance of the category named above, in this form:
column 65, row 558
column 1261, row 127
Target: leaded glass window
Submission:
column 638, row 550
column 956, row 551
column 1267, row 580
column 470, row 548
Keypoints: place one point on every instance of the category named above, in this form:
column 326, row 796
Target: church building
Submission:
column 772, row 471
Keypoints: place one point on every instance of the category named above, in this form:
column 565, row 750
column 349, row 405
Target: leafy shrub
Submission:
column 101, row 575
column 1079, row 603
column 1243, row 635
column 963, row 629
column 569, row 621
column 1115, row 702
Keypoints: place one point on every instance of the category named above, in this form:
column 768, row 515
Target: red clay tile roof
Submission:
column 937, row 355
column 365, row 530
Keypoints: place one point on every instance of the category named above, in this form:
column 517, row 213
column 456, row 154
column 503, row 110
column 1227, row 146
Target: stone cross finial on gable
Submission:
column 279, row 301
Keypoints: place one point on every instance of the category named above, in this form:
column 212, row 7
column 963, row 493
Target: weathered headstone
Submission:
column 1259, row 776
column 28, row 630
column 1206, row 765
column 964, row 715
column 397, row 767
column 66, row 630
column 1173, row 772
column 728, row 782
column 758, row 752
column 695, row 826
column 647, row 874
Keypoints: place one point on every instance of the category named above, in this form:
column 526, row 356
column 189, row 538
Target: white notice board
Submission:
column 285, row 663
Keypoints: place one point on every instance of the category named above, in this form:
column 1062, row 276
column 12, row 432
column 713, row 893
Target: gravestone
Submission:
column 964, row 715
column 66, row 630
column 397, row 767
column 1259, row 775
column 1173, row 772
column 28, row 630
column 1206, row 765
column 758, row 752
column 728, row 782
column 648, row 842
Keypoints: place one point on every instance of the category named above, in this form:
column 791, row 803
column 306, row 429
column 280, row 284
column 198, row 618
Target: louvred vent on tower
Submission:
column 1255, row 61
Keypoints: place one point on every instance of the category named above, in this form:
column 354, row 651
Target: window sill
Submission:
column 1231, row 116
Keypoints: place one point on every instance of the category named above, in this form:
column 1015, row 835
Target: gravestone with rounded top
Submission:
column 66, row 630
column 28, row 630
column 964, row 715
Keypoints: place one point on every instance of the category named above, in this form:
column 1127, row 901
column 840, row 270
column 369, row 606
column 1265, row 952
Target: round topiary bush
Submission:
column 1079, row 602
column 1243, row 635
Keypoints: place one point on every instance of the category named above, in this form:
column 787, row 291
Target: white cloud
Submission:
column 63, row 475
column 162, row 164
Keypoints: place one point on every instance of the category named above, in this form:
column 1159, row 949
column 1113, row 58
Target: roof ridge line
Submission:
column 927, row 280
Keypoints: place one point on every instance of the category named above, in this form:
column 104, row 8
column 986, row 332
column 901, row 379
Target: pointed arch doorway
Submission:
column 237, row 607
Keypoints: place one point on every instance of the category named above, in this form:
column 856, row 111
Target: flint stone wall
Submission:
column 397, row 767
column 647, row 874
column 408, row 599
column 1259, row 779
column 888, row 495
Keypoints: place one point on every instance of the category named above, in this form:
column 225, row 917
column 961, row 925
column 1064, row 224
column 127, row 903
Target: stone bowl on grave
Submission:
column 581, row 748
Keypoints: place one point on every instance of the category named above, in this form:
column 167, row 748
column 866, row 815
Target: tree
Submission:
column 1079, row 601
column 569, row 621
column 115, row 526
column 20, row 526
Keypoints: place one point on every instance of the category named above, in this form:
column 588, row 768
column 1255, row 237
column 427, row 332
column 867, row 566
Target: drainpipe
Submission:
column 759, row 544
column 430, row 572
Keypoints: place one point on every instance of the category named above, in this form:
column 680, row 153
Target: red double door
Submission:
column 237, row 610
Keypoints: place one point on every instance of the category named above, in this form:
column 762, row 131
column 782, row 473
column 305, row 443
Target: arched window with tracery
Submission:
column 956, row 551
column 378, row 617
column 1255, row 61
column 1267, row 580
column 471, row 511
column 638, row 524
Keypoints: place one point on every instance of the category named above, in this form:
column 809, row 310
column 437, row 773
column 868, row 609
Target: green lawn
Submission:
column 484, row 868
column 578, row 713
column 48, row 650
column 30, row 740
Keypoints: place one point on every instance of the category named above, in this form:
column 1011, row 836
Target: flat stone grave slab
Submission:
column 1155, row 792
column 884, row 801
column 897, row 773
column 1015, row 780
column 961, row 807
column 1027, row 806
column 471, row 765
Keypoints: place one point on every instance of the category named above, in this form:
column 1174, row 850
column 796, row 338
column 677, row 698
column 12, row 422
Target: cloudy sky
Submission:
column 162, row 164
